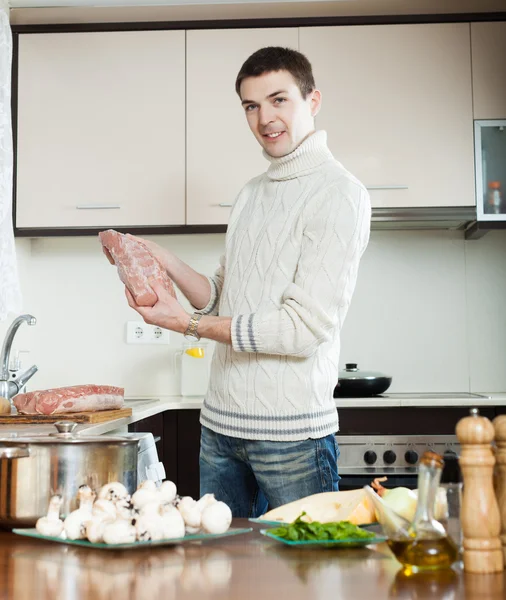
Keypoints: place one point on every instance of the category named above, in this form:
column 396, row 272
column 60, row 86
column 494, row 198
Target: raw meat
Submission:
column 76, row 398
column 137, row 267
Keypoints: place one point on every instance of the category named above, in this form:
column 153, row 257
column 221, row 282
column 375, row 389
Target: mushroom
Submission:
column 113, row 491
column 125, row 509
column 150, row 524
column 191, row 514
column 119, row 531
column 105, row 509
column 173, row 522
column 147, row 484
column 216, row 518
column 205, row 501
column 144, row 495
column 168, row 491
column 95, row 528
column 51, row 525
column 75, row 523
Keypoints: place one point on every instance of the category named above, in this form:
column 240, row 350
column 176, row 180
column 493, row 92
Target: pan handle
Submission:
column 14, row 451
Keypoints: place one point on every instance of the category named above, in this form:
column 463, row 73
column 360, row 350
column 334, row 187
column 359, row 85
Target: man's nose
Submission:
column 266, row 114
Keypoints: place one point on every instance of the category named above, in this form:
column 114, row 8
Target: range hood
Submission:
column 455, row 217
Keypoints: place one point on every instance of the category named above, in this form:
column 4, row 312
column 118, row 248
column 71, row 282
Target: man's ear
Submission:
column 315, row 100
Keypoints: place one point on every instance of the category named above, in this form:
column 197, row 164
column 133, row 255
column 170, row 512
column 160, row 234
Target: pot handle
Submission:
column 14, row 452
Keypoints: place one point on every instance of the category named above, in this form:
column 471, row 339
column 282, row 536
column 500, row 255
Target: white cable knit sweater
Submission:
column 293, row 246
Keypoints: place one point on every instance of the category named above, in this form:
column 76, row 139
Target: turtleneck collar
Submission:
column 307, row 157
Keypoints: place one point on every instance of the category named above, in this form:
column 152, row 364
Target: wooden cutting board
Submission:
column 100, row 416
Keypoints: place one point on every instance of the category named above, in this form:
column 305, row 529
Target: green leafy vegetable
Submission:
column 299, row 530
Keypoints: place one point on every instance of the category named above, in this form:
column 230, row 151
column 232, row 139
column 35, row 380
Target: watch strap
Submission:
column 193, row 325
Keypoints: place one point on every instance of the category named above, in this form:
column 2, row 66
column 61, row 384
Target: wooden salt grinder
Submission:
column 500, row 491
column 481, row 523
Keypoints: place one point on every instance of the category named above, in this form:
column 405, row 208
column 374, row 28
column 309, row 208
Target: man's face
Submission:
column 278, row 115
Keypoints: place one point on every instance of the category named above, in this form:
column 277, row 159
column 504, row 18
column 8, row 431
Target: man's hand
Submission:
column 166, row 313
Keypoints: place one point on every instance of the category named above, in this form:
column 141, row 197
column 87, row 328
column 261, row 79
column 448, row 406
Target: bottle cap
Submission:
column 431, row 459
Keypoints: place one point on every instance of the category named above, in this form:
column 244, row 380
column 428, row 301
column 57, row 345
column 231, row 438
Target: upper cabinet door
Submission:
column 488, row 44
column 397, row 105
column 222, row 153
column 101, row 132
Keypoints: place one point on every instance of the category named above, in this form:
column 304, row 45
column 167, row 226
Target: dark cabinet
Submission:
column 178, row 448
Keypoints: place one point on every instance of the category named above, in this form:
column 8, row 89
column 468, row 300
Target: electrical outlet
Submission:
column 138, row 332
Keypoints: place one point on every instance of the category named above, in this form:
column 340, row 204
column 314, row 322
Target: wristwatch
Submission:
column 191, row 333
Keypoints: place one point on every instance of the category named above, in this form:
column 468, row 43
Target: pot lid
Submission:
column 65, row 434
column 353, row 372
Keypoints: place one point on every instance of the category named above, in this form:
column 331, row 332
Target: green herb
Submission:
column 299, row 530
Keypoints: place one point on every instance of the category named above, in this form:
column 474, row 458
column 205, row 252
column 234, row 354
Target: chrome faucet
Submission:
column 8, row 389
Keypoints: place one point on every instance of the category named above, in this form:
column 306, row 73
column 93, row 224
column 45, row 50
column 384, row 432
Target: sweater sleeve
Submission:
column 315, row 303
column 216, row 283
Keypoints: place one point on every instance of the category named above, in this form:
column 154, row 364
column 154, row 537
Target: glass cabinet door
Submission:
column 490, row 144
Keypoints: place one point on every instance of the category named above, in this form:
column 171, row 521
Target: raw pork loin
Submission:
column 136, row 266
column 77, row 398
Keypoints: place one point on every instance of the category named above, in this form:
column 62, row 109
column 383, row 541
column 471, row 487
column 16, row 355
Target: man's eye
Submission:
column 250, row 107
column 280, row 100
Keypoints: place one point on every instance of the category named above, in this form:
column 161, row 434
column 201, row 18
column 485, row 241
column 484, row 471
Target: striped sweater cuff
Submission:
column 244, row 335
column 212, row 305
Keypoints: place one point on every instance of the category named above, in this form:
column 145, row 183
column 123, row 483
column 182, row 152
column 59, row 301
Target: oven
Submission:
column 363, row 458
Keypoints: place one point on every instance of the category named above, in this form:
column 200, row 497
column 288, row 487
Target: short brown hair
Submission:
column 276, row 58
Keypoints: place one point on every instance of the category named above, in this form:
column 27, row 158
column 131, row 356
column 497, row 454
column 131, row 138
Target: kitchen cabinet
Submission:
column 222, row 153
column 488, row 50
column 490, row 142
column 101, row 129
column 397, row 106
column 178, row 448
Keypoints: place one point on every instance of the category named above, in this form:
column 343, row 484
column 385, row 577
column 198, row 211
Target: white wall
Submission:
column 429, row 308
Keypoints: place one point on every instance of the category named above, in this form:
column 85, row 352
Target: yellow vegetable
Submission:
column 195, row 352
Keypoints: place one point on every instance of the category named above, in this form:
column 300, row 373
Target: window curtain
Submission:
column 10, row 294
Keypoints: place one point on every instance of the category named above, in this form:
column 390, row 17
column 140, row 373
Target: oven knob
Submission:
column 411, row 457
column 370, row 457
column 389, row 457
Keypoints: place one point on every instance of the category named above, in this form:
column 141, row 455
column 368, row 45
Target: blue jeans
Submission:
column 252, row 475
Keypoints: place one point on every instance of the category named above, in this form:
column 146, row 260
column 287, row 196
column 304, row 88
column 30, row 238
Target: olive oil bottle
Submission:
column 428, row 545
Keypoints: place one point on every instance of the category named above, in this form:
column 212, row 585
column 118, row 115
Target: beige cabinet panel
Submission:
column 488, row 50
column 101, row 132
column 222, row 153
column 397, row 105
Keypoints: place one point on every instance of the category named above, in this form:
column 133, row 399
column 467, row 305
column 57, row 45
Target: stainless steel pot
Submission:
column 32, row 469
column 354, row 383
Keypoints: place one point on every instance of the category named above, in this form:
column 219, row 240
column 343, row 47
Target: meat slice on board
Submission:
column 76, row 398
column 136, row 267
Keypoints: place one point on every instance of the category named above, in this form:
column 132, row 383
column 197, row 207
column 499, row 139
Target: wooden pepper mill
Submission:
column 500, row 481
column 481, row 523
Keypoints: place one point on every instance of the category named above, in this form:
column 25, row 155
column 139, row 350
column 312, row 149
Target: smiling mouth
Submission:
column 273, row 136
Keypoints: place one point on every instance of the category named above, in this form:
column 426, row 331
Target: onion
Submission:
column 402, row 501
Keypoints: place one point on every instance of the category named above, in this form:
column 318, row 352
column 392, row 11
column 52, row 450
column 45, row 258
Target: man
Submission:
column 277, row 303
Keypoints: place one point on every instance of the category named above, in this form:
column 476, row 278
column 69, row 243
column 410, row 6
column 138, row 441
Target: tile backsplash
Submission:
column 429, row 309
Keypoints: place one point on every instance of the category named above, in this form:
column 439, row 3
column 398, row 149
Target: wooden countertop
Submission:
column 236, row 568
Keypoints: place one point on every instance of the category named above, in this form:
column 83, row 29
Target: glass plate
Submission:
column 187, row 538
column 343, row 543
column 268, row 523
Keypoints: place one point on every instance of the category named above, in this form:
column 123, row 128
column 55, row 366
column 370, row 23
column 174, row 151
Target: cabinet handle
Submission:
column 96, row 206
column 224, row 205
column 387, row 187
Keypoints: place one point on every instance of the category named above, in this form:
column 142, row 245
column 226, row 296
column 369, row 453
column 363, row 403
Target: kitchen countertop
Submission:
column 240, row 567
column 146, row 406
